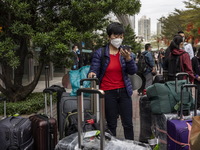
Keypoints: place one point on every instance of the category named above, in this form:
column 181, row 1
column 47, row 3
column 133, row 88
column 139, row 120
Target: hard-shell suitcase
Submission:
column 44, row 127
column 62, row 97
column 178, row 130
column 15, row 132
column 145, row 119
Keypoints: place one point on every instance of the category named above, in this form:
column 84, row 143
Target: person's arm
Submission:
column 95, row 64
column 187, row 66
column 131, row 67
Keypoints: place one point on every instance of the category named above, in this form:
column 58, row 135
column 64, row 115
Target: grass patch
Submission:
column 32, row 104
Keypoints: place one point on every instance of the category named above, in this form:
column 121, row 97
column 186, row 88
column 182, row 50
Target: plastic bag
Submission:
column 71, row 143
column 75, row 77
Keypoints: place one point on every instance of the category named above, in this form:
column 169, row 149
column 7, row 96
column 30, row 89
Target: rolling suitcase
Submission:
column 15, row 132
column 178, row 130
column 100, row 114
column 63, row 105
column 44, row 127
column 145, row 119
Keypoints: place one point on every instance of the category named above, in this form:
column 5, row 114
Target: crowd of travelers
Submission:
column 119, row 62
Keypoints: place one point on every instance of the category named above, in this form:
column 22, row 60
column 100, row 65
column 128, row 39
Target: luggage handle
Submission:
column 4, row 105
column 50, row 92
column 89, row 79
column 176, row 79
column 181, row 98
column 81, row 114
column 96, row 80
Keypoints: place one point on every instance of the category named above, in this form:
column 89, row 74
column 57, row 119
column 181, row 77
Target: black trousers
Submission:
column 117, row 102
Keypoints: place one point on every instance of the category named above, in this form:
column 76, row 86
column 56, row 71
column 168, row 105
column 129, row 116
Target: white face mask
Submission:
column 116, row 42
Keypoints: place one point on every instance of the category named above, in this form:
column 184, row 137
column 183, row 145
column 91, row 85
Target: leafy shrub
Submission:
column 32, row 104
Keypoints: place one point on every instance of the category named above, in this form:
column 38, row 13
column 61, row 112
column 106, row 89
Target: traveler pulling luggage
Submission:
column 15, row 132
column 94, row 139
column 44, row 127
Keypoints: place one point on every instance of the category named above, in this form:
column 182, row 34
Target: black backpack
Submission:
column 71, row 122
column 142, row 65
column 174, row 66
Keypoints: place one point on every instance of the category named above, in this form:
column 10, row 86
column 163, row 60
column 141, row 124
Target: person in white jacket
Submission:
column 187, row 46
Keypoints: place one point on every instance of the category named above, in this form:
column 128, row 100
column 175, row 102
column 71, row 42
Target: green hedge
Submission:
column 32, row 104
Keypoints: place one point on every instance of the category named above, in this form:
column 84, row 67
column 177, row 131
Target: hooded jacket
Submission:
column 185, row 62
column 128, row 67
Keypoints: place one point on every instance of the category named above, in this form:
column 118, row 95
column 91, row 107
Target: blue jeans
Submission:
column 117, row 102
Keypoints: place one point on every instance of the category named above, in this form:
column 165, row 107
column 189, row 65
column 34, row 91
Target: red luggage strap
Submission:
column 177, row 142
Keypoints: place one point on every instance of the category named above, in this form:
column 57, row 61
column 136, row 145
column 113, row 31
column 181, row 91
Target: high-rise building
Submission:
column 144, row 28
column 159, row 28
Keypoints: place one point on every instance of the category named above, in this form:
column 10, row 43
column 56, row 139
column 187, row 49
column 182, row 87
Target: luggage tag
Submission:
column 90, row 134
column 153, row 141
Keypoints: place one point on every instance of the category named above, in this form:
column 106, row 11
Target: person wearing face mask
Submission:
column 75, row 58
column 187, row 46
column 114, row 80
column 183, row 64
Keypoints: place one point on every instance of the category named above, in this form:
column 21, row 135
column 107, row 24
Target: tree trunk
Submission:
column 14, row 90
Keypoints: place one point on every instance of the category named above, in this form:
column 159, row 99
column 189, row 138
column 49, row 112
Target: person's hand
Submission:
column 125, row 53
column 91, row 75
column 198, row 78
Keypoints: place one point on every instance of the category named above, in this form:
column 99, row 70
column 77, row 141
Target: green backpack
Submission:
column 165, row 99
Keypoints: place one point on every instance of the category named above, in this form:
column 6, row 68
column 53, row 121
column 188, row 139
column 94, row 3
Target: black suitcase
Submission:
column 158, row 79
column 15, row 132
column 44, row 127
column 145, row 119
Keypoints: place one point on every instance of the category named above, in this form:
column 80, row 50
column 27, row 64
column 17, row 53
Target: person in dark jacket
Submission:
column 176, row 46
column 150, row 65
column 196, row 69
column 75, row 58
column 114, row 80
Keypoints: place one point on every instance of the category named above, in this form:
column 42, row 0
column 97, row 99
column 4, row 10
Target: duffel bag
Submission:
column 165, row 99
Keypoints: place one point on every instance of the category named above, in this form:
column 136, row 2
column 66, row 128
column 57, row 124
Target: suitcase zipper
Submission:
column 12, row 134
column 20, row 135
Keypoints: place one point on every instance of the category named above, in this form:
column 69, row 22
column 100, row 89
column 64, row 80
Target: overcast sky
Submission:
column 155, row 9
